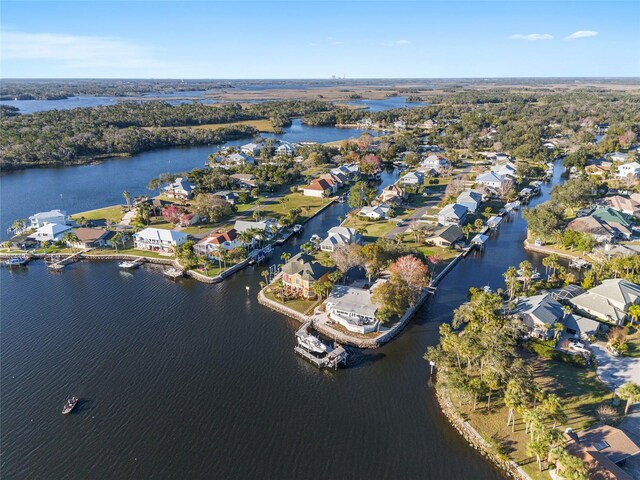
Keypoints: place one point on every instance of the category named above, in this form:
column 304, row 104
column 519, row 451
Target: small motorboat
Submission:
column 70, row 405
column 297, row 228
column 311, row 343
column 17, row 262
column 129, row 265
column 173, row 273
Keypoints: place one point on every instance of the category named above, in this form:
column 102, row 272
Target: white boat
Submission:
column 297, row 228
column 17, row 261
column 173, row 273
column 535, row 275
column 130, row 264
column 311, row 343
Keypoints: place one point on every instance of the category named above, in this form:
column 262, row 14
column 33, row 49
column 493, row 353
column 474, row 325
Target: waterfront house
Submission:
column 627, row 170
column 604, row 450
column 393, row 194
column 435, row 162
column 50, row 232
column 413, row 178
column 285, row 149
column 609, row 301
column 506, row 169
column 539, row 313
column 246, row 180
column 269, row 226
column 301, row 272
column 159, row 240
column 320, row 187
column 378, row 212
column 333, row 180
column 470, row 199
column 251, row 149
column 23, row 242
column 92, row 237
column 52, row 216
column 239, row 159
column 353, row 308
column 581, row 327
column 179, row 188
column 338, row 236
column 214, row 242
column 492, row 180
column 446, row 236
column 452, row 214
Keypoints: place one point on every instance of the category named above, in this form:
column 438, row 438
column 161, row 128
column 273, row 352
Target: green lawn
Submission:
column 107, row 214
column 130, row 251
column 580, row 391
column 374, row 229
column 280, row 206
column 299, row 304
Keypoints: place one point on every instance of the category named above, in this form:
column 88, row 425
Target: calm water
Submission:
column 185, row 380
column 177, row 98
column 81, row 188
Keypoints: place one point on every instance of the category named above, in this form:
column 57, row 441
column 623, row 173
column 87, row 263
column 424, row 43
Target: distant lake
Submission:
column 387, row 104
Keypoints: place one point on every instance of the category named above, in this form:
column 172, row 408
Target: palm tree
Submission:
column 117, row 238
column 265, row 275
column 513, row 400
column 285, row 257
column 526, row 273
column 69, row 238
column 553, row 409
column 127, row 198
column 18, row 226
column 634, row 312
column 630, row 392
column 511, row 281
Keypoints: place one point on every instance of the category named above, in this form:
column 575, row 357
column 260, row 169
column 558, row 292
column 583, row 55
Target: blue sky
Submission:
column 377, row 39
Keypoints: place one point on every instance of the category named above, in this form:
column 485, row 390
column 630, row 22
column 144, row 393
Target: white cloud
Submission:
column 532, row 36
column 581, row 34
column 396, row 43
column 76, row 50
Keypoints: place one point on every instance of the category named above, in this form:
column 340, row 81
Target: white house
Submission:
column 491, row 179
column 609, row 301
column 320, row 187
column 180, row 188
column 399, row 125
column 378, row 212
column 627, row 169
column 412, row 178
column 52, row 216
column 251, row 149
column 285, row 149
column 452, row 214
column 239, row 159
column 504, row 170
column 470, row 199
column 159, row 240
column 50, row 232
column 617, row 156
column 338, row 236
column 352, row 308
column 437, row 162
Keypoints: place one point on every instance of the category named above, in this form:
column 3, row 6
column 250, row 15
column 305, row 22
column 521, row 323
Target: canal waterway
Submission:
column 186, row 380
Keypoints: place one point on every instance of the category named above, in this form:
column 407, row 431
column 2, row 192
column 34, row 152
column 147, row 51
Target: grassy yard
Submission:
column 280, row 206
column 102, row 215
column 129, row 251
column 579, row 390
column 301, row 305
column 263, row 125
column 374, row 230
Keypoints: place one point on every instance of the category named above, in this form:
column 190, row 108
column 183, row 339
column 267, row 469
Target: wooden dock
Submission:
column 60, row 264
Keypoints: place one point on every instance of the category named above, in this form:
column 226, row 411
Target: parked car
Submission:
column 578, row 347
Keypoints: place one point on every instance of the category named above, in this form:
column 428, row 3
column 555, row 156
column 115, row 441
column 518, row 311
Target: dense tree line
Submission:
column 59, row 137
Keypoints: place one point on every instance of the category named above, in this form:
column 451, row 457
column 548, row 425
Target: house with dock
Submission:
column 50, row 232
column 353, row 308
column 319, row 187
column 413, row 179
column 214, row 242
column 52, row 216
column 268, row 226
column 301, row 273
column 446, row 236
column 92, row 237
column 159, row 240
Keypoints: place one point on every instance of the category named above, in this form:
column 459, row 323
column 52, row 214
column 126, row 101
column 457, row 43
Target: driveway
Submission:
column 614, row 371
